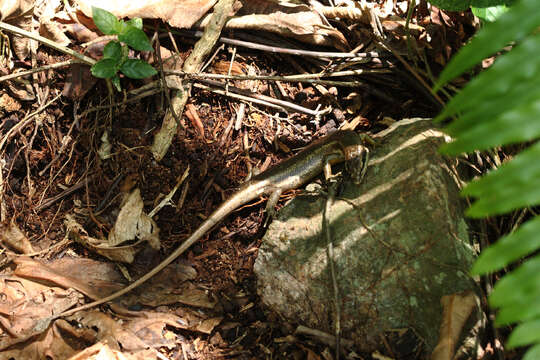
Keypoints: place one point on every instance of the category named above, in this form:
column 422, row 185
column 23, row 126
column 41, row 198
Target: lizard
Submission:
column 340, row 146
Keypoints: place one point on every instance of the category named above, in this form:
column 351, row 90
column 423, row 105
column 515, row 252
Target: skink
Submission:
column 342, row 145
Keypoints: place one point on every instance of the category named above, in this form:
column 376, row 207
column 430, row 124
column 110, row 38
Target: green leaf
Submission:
column 525, row 334
column 137, row 69
column 121, row 27
column 519, row 21
column 452, row 5
column 136, row 22
column 105, row 68
column 105, row 21
column 113, row 50
column 523, row 93
column 518, row 286
column 487, row 3
column 116, row 82
column 522, row 311
column 518, row 67
column 136, row 39
column 511, row 127
column 514, row 184
column 533, row 353
column 509, row 248
column 489, row 14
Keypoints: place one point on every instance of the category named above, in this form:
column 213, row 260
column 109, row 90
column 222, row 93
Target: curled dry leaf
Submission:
column 456, row 310
column 132, row 225
column 85, row 279
column 19, row 13
column 54, row 31
column 76, row 232
column 286, row 19
column 178, row 13
column 12, row 237
column 50, row 344
column 24, row 304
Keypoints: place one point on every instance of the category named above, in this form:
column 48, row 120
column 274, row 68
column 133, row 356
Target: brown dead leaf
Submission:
column 178, row 13
column 9, row 104
column 54, row 31
column 198, row 320
column 109, row 331
column 80, row 32
column 287, row 19
column 12, row 237
column 19, row 13
column 21, row 89
column 158, row 293
column 207, row 326
column 49, row 344
column 456, row 310
column 132, row 223
column 25, row 303
column 88, row 283
column 151, row 327
column 102, row 351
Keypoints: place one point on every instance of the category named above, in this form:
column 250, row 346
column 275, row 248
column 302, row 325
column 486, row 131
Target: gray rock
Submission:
column 390, row 277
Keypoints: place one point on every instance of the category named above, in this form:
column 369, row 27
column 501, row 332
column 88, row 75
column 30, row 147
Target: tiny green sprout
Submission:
column 115, row 53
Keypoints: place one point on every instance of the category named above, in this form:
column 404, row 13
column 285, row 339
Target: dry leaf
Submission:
column 132, row 223
column 178, row 13
column 19, row 13
column 54, row 31
column 85, row 280
column 24, row 304
column 456, row 310
column 12, row 237
column 286, row 19
column 76, row 232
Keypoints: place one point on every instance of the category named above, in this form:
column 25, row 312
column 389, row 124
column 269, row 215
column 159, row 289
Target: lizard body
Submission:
column 343, row 145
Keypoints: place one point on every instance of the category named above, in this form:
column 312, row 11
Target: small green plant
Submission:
column 115, row 53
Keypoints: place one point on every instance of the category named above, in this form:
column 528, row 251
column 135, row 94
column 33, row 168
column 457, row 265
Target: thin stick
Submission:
column 281, row 50
column 263, row 100
column 65, row 193
column 296, row 77
column 38, row 69
column 50, row 43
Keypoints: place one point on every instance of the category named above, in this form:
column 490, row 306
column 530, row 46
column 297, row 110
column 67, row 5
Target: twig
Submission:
column 281, row 50
column 133, row 99
column 323, row 337
column 50, row 43
column 412, row 71
column 167, row 199
column 19, row 126
column 163, row 82
column 271, row 104
column 65, row 193
column 290, row 78
column 268, row 99
column 38, row 69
